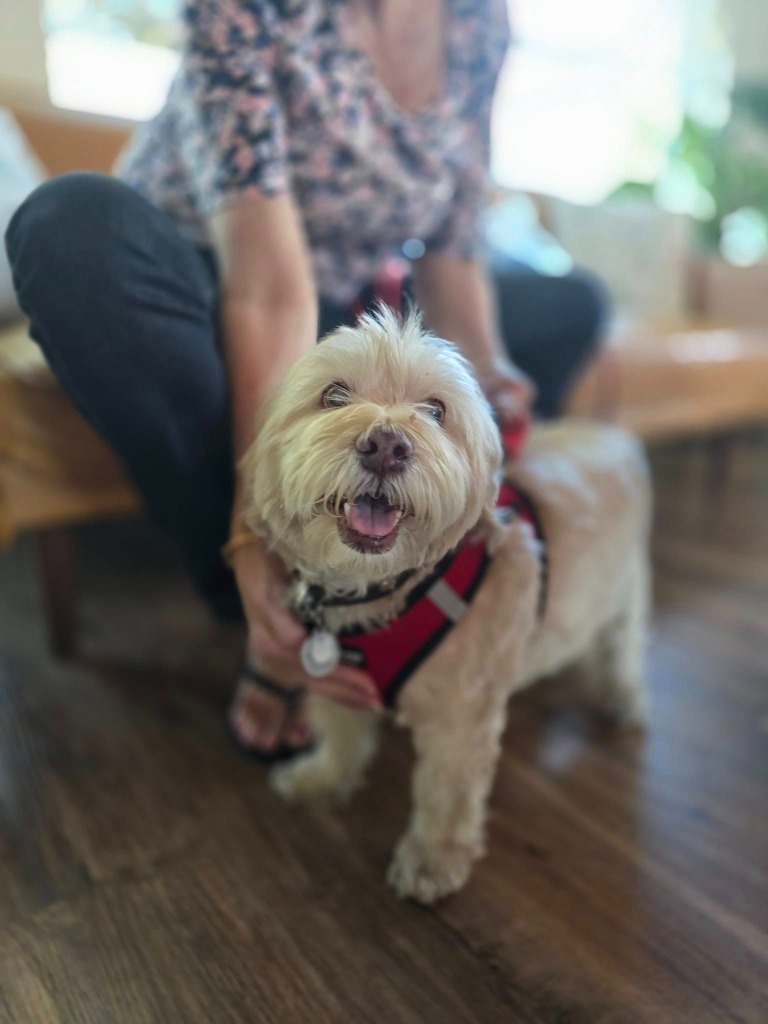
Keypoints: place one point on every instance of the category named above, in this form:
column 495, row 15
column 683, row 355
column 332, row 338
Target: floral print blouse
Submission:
column 272, row 96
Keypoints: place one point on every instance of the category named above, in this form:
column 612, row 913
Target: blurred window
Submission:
column 594, row 91
column 114, row 57
column 590, row 97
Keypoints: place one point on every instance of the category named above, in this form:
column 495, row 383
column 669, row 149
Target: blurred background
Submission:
column 629, row 138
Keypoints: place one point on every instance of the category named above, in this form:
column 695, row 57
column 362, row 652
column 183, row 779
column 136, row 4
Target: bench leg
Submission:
column 56, row 552
column 721, row 454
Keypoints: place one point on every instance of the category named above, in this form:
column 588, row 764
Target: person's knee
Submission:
column 59, row 217
column 55, row 239
column 71, row 235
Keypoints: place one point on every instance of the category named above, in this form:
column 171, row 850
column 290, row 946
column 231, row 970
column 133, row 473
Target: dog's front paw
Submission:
column 302, row 778
column 311, row 777
column 428, row 872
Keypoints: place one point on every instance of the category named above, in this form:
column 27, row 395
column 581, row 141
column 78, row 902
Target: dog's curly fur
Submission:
column 591, row 489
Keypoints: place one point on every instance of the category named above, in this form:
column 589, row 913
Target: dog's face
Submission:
column 377, row 455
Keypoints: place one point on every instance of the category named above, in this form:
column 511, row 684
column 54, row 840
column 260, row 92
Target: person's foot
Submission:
column 267, row 719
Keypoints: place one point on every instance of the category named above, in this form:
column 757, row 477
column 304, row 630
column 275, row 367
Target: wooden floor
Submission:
column 148, row 875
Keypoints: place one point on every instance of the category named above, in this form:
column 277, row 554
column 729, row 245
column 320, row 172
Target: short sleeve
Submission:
column 233, row 125
column 460, row 232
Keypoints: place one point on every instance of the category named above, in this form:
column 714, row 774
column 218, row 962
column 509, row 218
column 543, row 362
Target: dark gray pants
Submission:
column 125, row 310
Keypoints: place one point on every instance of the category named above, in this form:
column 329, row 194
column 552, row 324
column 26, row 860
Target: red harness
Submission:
column 392, row 653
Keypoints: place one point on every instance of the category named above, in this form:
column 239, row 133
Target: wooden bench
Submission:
column 683, row 380
column 55, row 472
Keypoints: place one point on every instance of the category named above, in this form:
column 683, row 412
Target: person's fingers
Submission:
column 360, row 692
column 348, row 685
column 287, row 661
column 354, row 680
column 512, row 404
column 354, row 677
column 517, row 388
column 285, row 646
column 353, row 684
column 508, row 404
column 357, row 692
column 343, row 694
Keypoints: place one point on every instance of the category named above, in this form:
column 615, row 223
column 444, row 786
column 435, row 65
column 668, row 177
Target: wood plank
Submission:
column 231, row 932
column 148, row 875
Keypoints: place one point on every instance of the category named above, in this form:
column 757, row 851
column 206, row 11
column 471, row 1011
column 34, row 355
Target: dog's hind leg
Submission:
column 347, row 741
column 614, row 672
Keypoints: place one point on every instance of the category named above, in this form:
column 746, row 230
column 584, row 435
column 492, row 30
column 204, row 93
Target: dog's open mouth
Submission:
column 369, row 524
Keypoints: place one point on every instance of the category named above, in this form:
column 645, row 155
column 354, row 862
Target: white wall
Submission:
column 22, row 54
column 747, row 25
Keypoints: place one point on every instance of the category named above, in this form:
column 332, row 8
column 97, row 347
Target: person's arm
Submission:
column 268, row 302
column 450, row 280
column 234, row 146
column 458, row 304
column 269, row 318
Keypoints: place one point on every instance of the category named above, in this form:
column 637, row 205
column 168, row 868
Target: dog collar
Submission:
column 316, row 598
column 321, row 651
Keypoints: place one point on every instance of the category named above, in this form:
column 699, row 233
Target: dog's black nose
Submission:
column 384, row 451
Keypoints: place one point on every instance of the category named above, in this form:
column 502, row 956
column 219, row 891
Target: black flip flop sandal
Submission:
column 291, row 699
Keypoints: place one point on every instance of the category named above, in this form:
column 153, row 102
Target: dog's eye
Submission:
column 336, row 396
column 436, row 409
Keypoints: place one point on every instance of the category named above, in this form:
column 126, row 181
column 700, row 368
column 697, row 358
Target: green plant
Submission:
column 720, row 176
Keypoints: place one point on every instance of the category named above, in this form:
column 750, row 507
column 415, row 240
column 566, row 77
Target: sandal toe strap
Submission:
column 289, row 695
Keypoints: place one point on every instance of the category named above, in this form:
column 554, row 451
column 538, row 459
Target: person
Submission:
column 302, row 144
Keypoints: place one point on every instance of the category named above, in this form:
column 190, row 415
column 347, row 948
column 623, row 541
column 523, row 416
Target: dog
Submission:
column 379, row 458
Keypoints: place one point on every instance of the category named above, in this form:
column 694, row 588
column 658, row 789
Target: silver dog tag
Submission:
column 320, row 653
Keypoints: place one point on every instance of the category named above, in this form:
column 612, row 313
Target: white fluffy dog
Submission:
column 377, row 457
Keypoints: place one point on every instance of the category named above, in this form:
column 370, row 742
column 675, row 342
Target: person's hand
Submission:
column 275, row 636
column 510, row 392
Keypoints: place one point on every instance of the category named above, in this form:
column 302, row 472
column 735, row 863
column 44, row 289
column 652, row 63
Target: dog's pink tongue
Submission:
column 371, row 519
